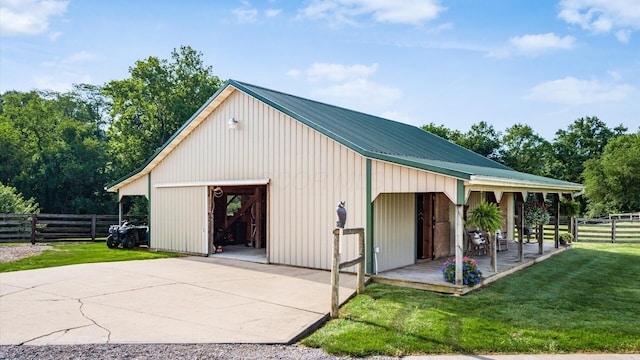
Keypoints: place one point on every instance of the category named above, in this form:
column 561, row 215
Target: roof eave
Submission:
column 564, row 187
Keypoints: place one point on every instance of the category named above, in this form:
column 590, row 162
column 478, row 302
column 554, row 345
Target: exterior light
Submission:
column 233, row 123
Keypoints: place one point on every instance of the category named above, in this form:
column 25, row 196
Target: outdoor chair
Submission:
column 476, row 244
column 502, row 242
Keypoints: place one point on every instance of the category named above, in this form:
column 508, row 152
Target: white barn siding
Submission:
column 181, row 226
column 138, row 187
column 395, row 230
column 392, row 178
column 308, row 172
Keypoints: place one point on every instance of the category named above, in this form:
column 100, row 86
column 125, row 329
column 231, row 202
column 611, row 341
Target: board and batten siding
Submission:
column 138, row 187
column 393, row 178
column 183, row 230
column 395, row 230
column 308, row 174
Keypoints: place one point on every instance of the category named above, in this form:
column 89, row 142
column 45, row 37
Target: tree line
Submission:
column 59, row 149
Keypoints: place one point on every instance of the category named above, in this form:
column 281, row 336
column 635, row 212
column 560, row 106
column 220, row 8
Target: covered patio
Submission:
column 427, row 274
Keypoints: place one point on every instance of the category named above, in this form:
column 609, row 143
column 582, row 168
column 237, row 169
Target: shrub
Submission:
column 471, row 275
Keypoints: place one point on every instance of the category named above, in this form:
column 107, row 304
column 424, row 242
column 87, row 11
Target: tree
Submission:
column 482, row 138
column 153, row 103
column 612, row 181
column 442, row 131
column 57, row 150
column 13, row 202
column 524, row 150
column 583, row 140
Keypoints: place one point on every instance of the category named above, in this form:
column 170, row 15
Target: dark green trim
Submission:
column 149, row 208
column 461, row 193
column 369, row 228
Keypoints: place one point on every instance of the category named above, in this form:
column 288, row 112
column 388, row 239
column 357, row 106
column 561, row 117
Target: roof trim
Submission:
column 249, row 182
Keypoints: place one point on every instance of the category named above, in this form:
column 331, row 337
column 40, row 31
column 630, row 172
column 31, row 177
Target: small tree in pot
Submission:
column 488, row 217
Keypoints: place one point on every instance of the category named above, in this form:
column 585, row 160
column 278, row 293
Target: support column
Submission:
column 459, row 238
column 520, row 225
column 556, row 233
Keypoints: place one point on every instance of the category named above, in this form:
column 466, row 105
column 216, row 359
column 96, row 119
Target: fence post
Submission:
column 613, row 230
column 360, row 274
column 335, row 274
column 33, row 228
column 93, row 227
column 575, row 229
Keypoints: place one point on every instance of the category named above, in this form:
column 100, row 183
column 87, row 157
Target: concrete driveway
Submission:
column 178, row 300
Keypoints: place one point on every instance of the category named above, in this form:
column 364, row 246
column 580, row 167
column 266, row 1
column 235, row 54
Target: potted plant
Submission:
column 488, row 217
column 471, row 275
column 566, row 239
column 535, row 215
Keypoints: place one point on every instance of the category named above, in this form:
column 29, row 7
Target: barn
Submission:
column 264, row 169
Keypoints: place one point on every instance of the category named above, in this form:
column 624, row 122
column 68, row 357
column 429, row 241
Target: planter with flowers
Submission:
column 471, row 275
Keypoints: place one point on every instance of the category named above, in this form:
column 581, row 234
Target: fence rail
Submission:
column 57, row 227
column 598, row 230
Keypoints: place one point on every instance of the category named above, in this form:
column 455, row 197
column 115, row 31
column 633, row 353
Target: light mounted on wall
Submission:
column 233, row 123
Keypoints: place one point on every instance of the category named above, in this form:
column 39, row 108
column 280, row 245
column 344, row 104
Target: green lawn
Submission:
column 79, row 253
column 583, row 300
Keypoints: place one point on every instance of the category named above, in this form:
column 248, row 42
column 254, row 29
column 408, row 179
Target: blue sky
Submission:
column 543, row 63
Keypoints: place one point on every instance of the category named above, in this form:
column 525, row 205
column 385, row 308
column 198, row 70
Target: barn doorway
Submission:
column 237, row 217
column 433, row 226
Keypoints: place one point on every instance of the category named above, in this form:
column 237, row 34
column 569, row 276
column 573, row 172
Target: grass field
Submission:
column 79, row 253
column 583, row 300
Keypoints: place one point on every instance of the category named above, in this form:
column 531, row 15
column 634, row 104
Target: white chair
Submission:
column 502, row 242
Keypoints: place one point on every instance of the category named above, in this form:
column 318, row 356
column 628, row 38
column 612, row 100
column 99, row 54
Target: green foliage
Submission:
column 535, row 214
column 81, row 253
column 524, row 150
column 481, row 138
column 56, row 148
column 584, row 139
column 569, row 207
column 153, row 103
column 578, row 301
column 442, row 131
column 471, row 275
column 12, row 202
column 566, row 237
column 486, row 216
column 612, row 181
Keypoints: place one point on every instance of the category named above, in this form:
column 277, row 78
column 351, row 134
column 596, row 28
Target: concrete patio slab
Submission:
column 179, row 300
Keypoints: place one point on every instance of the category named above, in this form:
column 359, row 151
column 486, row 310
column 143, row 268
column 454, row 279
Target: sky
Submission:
column 455, row 63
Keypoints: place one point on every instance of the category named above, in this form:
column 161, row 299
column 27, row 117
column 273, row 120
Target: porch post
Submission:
column 119, row 209
column 556, row 233
column 459, row 242
column 520, row 224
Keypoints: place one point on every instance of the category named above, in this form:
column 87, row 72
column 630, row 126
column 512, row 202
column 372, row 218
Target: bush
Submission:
column 470, row 273
column 12, row 202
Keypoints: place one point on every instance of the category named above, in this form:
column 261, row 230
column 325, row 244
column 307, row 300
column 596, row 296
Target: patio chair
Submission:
column 476, row 244
column 502, row 242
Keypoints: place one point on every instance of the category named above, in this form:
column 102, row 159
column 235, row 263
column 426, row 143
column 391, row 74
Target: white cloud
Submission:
column 342, row 82
column 572, row 91
column 399, row 12
column 246, row 13
column 62, row 82
column 273, row 12
column 79, row 57
column 30, row 17
column 339, row 72
column 361, row 89
column 541, row 43
column 603, row 16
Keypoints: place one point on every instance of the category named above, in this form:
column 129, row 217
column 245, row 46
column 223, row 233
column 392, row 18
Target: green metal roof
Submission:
column 376, row 138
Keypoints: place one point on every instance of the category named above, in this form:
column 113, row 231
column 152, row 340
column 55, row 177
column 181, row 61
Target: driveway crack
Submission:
column 94, row 322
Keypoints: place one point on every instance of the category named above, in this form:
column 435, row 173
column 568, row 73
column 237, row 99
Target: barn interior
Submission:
column 237, row 222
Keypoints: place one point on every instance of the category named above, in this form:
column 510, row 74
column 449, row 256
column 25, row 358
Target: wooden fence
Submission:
column 57, row 227
column 598, row 230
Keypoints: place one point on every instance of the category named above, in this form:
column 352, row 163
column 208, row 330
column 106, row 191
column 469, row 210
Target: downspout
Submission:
column 369, row 227
column 149, row 209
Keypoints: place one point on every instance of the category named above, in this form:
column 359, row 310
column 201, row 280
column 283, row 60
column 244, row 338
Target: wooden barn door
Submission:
column 425, row 226
column 441, row 226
